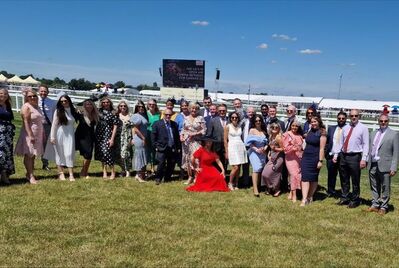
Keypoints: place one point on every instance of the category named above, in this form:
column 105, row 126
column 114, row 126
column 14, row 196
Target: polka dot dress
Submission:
column 103, row 152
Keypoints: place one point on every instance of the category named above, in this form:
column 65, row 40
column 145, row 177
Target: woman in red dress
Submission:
column 208, row 178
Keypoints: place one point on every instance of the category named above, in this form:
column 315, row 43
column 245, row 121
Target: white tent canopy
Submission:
column 355, row 104
column 3, row 79
column 31, row 80
column 15, row 79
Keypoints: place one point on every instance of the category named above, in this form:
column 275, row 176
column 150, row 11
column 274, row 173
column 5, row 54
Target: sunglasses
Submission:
column 354, row 115
column 383, row 121
column 341, row 118
column 168, row 114
column 63, row 101
column 289, row 111
column 222, row 111
column 234, row 117
column 309, row 113
column 121, row 106
column 105, row 102
column 258, row 121
column 151, row 104
column 275, row 127
column 207, row 102
column 140, row 106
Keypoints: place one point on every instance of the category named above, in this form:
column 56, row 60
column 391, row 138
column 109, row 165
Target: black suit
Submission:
column 165, row 154
column 216, row 131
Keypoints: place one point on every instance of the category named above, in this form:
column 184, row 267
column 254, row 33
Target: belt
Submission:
column 351, row 154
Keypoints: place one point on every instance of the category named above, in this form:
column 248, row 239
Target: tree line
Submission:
column 81, row 83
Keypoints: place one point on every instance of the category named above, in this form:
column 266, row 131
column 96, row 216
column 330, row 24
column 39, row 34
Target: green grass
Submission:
column 124, row 223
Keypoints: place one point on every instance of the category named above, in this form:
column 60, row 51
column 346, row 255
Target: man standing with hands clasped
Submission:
column 353, row 150
column 47, row 106
column 382, row 164
column 166, row 140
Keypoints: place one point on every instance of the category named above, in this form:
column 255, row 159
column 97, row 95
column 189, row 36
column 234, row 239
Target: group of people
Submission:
column 203, row 143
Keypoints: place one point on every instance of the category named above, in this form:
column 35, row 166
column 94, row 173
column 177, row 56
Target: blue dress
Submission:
column 257, row 160
column 140, row 155
column 310, row 172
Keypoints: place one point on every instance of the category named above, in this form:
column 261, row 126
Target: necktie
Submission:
column 170, row 135
column 45, row 114
column 338, row 134
column 346, row 143
column 376, row 142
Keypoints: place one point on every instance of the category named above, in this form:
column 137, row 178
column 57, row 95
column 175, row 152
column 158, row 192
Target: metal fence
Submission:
column 329, row 116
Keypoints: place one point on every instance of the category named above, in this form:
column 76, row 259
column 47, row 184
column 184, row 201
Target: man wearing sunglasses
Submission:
column 382, row 164
column 334, row 135
column 353, row 150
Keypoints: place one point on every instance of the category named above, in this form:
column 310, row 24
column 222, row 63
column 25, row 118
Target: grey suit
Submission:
column 380, row 179
column 216, row 131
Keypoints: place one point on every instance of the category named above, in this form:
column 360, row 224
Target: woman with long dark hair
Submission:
column 85, row 134
column 312, row 159
column 62, row 136
column 105, row 137
column 257, row 142
column 7, row 132
column 140, row 123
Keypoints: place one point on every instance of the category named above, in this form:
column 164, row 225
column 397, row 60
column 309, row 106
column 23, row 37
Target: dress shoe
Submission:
column 372, row 209
column 382, row 211
column 343, row 202
column 353, row 204
column 157, row 182
column 46, row 168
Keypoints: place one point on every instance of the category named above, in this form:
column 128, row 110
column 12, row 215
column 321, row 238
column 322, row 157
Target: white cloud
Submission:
column 263, row 46
column 273, row 62
column 348, row 64
column 310, row 51
column 284, row 37
column 200, row 23
column 283, row 48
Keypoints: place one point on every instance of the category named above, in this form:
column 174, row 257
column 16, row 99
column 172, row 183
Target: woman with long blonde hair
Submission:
column 30, row 142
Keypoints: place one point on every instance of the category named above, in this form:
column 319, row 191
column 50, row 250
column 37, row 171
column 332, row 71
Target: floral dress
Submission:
column 103, row 152
column 7, row 132
column 124, row 143
column 192, row 130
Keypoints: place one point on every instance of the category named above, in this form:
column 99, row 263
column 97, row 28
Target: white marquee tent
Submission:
column 31, row 81
column 15, row 80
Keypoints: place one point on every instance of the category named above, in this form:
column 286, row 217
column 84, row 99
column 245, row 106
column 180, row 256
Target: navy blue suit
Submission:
column 165, row 154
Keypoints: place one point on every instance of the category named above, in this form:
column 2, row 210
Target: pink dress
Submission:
column 293, row 155
column 24, row 145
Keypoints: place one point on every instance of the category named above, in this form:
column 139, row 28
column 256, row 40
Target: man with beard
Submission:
column 334, row 135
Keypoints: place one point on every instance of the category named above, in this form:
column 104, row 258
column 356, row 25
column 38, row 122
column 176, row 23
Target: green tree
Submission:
column 119, row 84
column 81, row 84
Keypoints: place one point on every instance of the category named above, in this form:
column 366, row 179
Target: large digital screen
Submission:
column 183, row 73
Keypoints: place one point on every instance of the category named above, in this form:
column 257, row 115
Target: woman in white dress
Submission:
column 235, row 148
column 62, row 136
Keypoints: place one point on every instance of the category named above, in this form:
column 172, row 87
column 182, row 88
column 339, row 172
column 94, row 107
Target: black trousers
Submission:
column 349, row 166
column 166, row 164
column 333, row 170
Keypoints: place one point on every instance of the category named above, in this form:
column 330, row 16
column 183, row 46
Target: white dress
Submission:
column 237, row 152
column 63, row 152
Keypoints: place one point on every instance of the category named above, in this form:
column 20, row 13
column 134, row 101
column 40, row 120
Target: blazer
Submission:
column 216, row 131
column 160, row 138
column 388, row 151
column 330, row 140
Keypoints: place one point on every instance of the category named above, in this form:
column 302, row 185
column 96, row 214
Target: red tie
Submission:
column 345, row 147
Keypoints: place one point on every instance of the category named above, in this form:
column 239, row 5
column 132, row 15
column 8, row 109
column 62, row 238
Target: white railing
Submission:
column 80, row 96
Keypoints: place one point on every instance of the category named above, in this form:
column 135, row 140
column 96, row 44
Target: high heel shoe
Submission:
column 71, row 178
column 32, row 180
column 61, row 176
column 189, row 181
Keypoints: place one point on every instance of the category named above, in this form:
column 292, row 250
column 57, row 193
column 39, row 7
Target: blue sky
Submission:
column 282, row 48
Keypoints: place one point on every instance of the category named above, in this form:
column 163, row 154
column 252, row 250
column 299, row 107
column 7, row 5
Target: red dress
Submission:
column 209, row 179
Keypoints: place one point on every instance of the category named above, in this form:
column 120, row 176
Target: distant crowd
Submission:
column 148, row 143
